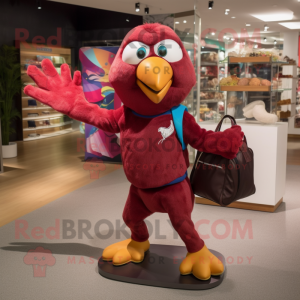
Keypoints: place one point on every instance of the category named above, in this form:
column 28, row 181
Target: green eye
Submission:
column 162, row 51
column 141, row 53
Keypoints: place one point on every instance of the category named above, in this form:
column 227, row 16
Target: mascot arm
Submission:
column 65, row 95
column 225, row 143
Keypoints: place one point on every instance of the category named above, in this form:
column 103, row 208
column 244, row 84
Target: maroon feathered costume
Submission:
column 152, row 73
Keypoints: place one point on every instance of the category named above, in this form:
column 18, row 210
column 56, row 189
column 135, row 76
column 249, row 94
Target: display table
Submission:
column 269, row 144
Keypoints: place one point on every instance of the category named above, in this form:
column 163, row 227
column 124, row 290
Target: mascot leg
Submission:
column 132, row 249
column 199, row 260
column 178, row 201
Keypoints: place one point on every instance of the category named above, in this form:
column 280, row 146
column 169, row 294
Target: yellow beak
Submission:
column 154, row 77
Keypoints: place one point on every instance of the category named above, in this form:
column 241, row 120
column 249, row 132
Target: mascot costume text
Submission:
column 152, row 74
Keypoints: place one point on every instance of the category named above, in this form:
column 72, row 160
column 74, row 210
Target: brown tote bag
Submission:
column 223, row 180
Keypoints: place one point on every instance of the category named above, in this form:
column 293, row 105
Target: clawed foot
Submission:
column 126, row 251
column 201, row 264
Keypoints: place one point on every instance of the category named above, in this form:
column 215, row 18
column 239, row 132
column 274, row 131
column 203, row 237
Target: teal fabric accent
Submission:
column 177, row 113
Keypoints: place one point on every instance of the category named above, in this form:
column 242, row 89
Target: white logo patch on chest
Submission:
column 166, row 132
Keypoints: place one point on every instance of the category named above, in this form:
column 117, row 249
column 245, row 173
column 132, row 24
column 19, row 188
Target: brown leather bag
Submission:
column 224, row 180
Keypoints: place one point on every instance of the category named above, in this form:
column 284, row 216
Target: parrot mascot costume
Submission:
column 152, row 74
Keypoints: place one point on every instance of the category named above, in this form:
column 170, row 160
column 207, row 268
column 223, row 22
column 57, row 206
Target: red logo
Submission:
column 39, row 258
column 94, row 166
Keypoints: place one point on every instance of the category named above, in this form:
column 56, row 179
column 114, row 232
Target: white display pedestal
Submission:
column 269, row 144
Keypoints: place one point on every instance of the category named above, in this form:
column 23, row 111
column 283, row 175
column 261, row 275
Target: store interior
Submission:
column 62, row 181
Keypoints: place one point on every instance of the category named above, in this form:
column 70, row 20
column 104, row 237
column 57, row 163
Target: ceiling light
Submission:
column 137, row 7
column 210, row 4
column 291, row 25
column 232, row 17
column 39, row 5
column 127, row 20
column 227, row 9
column 266, row 27
column 275, row 42
column 282, row 16
column 265, row 39
column 213, row 33
column 248, row 24
column 147, row 10
column 176, row 22
column 184, row 21
column 226, row 12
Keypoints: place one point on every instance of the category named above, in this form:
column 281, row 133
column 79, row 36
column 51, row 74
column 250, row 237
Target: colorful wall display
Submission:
column 96, row 63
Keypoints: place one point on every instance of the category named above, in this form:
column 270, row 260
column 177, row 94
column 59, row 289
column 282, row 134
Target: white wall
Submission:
column 291, row 44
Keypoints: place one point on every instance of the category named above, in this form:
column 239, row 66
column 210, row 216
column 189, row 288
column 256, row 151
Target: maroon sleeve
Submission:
column 107, row 120
column 225, row 143
column 66, row 95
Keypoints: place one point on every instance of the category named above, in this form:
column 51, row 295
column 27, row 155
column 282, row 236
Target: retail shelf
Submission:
column 256, row 59
column 211, row 100
column 47, row 126
column 280, row 90
column 44, row 136
column 285, row 104
column 207, row 64
column 247, row 88
column 46, row 116
column 209, row 90
column 37, row 107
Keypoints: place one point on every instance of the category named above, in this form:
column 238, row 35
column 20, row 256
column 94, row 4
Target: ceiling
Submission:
column 242, row 10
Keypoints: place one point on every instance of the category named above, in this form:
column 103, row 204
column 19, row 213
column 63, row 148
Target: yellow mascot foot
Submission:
column 126, row 251
column 201, row 264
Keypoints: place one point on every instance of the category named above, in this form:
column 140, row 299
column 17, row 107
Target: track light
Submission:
column 226, row 12
column 39, row 5
column 266, row 27
column 210, row 4
column 275, row 42
column 137, row 7
column 147, row 10
column 265, row 39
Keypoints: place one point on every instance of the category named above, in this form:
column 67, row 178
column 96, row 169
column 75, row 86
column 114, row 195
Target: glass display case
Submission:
column 212, row 101
column 187, row 26
column 258, row 78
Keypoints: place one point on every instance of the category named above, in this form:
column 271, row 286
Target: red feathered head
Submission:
column 152, row 71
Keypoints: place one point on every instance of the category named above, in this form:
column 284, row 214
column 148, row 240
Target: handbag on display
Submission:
column 31, row 124
column 223, row 180
column 32, row 115
column 32, row 102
